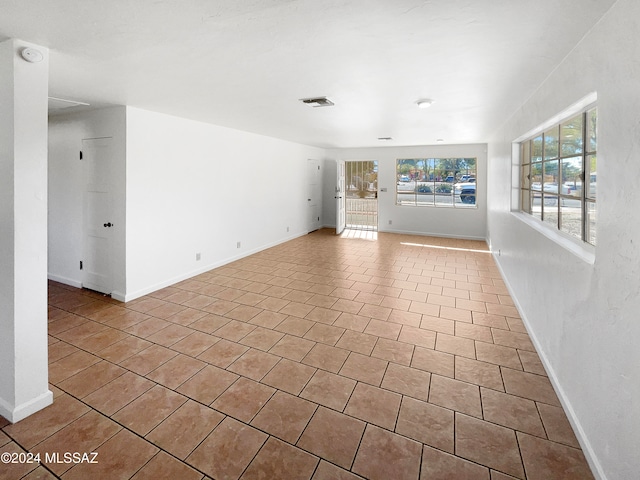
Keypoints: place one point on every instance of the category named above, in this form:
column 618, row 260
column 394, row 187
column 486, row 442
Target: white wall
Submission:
column 199, row 188
column 584, row 317
column 66, row 187
column 187, row 187
column 437, row 221
column 24, row 385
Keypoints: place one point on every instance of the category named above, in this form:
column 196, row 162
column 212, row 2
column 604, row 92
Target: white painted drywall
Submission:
column 23, row 232
column 437, row 221
column 66, row 187
column 194, row 188
column 583, row 317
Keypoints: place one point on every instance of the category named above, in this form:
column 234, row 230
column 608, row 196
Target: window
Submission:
column 439, row 182
column 558, row 176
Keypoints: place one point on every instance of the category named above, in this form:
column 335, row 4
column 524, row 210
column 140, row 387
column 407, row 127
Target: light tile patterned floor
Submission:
column 396, row 358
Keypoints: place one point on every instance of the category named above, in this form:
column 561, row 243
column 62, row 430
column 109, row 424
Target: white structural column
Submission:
column 23, row 232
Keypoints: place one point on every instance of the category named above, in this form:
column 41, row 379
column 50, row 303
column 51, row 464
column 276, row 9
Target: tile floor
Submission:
column 325, row 358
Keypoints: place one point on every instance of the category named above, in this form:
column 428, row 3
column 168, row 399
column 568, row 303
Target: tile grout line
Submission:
column 237, row 272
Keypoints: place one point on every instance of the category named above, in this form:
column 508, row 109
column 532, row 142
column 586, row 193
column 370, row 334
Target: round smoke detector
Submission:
column 32, row 55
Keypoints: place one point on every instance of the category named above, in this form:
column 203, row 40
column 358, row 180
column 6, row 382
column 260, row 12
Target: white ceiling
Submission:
column 246, row 63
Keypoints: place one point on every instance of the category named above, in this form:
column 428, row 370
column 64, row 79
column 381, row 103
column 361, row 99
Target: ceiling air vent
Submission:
column 317, row 101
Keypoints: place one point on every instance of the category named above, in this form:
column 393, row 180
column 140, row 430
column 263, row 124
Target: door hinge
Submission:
column 81, row 265
column 80, row 154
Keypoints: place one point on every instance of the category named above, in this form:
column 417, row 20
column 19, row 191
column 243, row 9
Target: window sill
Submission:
column 580, row 249
column 442, row 205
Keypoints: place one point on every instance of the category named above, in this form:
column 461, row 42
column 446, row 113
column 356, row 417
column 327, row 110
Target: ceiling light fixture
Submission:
column 426, row 103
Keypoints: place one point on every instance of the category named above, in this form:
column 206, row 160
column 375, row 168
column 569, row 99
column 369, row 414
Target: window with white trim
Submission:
column 437, row 182
column 558, row 175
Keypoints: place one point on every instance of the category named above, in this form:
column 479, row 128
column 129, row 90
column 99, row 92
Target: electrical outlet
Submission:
column 390, row 222
column 287, row 229
column 198, row 256
column 238, row 245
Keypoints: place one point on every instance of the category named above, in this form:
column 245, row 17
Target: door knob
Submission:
column 108, row 225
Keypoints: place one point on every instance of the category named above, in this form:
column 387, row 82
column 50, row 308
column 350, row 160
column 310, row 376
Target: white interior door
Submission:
column 98, row 226
column 341, row 217
column 313, row 194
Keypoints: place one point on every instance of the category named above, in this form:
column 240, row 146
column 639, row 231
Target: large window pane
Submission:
column 536, row 149
column 464, row 195
column 526, row 152
column 525, row 201
column 465, row 169
column 551, row 143
column 444, row 170
column 444, row 192
column 403, row 169
column 571, row 217
column 425, row 193
column 525, row 181
column 420, row 170
column 405, row 188
column 536, row 205
column 592, row 130
column 550, row 209
column 550, row 177
column 446, row 174
column 429, row 166
column 536, row 176
column 571, row 136
column 433, row 182
column 571, row 176
column 444, row 198
column 591, row 177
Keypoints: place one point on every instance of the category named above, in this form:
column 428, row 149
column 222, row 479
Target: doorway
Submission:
column 361, row 195
column 98, row 225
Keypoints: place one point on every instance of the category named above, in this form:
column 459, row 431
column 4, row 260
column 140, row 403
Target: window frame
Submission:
column 434, row 184
column 535, row 142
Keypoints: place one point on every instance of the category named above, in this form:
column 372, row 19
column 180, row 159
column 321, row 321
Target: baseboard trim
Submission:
column 582, row 438
column 16, row 413
column 64, row 280
column 432, row 234
column 179, row 278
